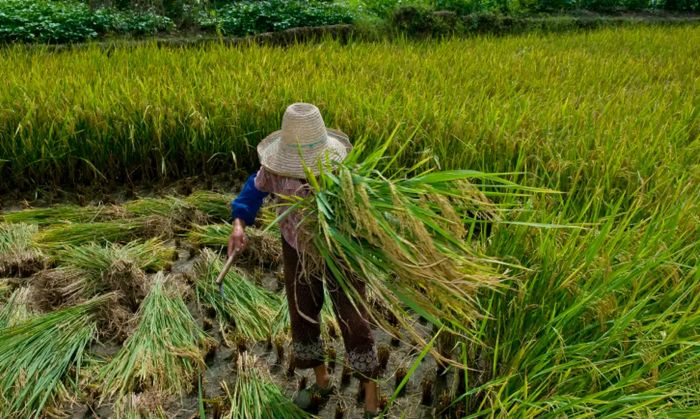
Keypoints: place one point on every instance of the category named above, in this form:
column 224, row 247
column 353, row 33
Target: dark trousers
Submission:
column 305, row 298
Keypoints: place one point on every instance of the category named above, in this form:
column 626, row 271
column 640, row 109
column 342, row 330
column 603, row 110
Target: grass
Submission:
column 247, row 307
column 254, row 395
column 41, row 356
column 164, row 353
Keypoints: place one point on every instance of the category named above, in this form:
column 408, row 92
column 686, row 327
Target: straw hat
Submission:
column 303, row 140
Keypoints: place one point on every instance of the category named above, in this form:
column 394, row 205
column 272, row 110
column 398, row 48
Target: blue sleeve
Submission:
column 248, row 202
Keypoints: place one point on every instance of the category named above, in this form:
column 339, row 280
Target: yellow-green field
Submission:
column 603, row 317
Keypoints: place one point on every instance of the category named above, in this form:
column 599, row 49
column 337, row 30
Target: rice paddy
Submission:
column 579, row 232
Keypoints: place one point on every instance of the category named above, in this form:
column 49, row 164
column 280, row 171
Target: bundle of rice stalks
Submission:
column 17, row 309
column 214, row 205
column 117, row 231
column 18, row 255
column 165, row 351
column 152, row 255
column 249, row 308
column 36, row 356
column 5, row 288
column 254, row 395
column 144, row 405
column 179, row 212
column 264, row 248
column 59, row 214
column 405, row 236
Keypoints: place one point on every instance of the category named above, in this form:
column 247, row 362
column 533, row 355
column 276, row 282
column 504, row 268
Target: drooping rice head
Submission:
column 60, row 214
column 18, row 254
column 254, row 395
column 263, row 249
column 215, row 205
column 18, row 308
column 248, row 308
column 165, row 351
column 40, row 356
column 405, row 237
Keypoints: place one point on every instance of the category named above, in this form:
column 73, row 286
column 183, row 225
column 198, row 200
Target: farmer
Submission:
column 304, row 140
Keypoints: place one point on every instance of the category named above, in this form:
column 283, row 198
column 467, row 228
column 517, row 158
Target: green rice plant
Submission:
column 254, row 395
column 405, row 236
column 144, row 207
column 248, row 308
column 17, row 250
column 214, row 205
column 264, row 247
column 17, row 308
column 117, row 231
column 58, row 214
column 39, row 356
column 152, row 255
column 164, row 353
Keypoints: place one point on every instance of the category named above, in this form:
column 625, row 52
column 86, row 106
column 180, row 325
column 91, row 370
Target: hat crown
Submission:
column 302, row 124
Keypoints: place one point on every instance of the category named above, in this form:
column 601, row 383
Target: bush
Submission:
column 251, row 17
column 62, row 22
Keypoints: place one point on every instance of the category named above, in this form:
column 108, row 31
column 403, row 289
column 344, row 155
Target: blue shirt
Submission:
column 248, row 202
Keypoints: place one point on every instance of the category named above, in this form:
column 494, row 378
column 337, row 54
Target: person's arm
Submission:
column 244, row 209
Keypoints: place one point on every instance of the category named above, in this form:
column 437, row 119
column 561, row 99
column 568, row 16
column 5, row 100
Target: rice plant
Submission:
column 164, row 353
column 254, row 395
column 117, row 231
column 264, row 247
column 58, row 214
column 40, row 356
column 214, row 205
column 152, row 255
column 17, row 309
column 248, row 308
column 17, row 250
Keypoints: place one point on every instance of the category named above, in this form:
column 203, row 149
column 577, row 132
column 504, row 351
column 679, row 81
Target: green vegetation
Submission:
column 39, row 358
column 165, row 351
column 254, row 395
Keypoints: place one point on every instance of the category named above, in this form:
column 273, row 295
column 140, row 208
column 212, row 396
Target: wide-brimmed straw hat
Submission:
column 303, row 140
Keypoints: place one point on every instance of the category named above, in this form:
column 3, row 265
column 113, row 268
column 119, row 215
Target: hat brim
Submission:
column 289, row 161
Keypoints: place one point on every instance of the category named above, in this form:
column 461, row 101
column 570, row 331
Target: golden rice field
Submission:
column 600, row 316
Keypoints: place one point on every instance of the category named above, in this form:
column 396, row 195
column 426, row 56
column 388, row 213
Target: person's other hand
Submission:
column 238, row 239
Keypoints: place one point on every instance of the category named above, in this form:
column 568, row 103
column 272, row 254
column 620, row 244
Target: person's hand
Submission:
column 238, row 239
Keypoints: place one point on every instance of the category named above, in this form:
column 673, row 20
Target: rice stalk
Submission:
column 165, row 351
column 254, row 395
column 18, row 254
column 36, row 356
column 213, row 204
column 117, row 231
column 406, row 237
column 263, row 249
column 59, row 214
column 152, row 255
column 17, row 309
column 248, row 308
column 144, row 405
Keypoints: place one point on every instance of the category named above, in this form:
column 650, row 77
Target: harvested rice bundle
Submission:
column 405, row 237
column 249, row 308
column 59, row 214
column 263, row 249
column 18, row 254
column 152, row 255
column 17, row 309
column 254, row 395
column 118, row 231
column 144, row 405
column 213, row 204
column 179, row 212
column 36, row 357
column 5, row 288
column 165, row 351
